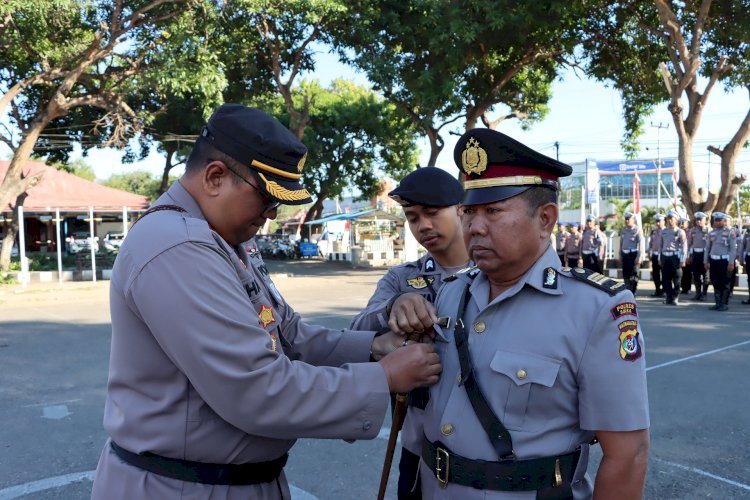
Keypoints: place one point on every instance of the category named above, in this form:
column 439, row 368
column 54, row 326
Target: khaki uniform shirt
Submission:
column 573, row 245
column 210, row 364
column 673, row 242
column 696, row 237
column 424, row 277
column 594, row 241
column 551, row 383
column 654, row 242
column 722, row 243
column 561, row 238
column 745, row 250
column 631, row 241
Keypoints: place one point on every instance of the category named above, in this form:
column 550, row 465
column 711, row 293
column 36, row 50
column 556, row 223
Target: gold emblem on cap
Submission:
column 474, row 158
column 301, row 163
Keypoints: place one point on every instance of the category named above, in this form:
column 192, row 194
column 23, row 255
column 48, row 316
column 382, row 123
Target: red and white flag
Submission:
column 637, row 198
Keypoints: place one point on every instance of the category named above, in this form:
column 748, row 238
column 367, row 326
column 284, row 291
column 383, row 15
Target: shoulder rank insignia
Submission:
column 266, row 315
column 419, row 282
column 612, row 287
column 630, row 347
column 429, row 264
column 470, row 271
column 550, row 278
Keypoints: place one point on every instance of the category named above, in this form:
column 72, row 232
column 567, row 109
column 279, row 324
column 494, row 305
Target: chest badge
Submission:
column 266, row 315
column 420, row 282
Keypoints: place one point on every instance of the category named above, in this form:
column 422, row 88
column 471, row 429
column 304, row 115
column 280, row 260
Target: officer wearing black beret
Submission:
column 212, row 374
column 530, row 349
column 403, row 298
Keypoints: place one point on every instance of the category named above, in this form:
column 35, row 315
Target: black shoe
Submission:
column 722, row 307
column 697, row 296
column 746, row 302
column 657, row 294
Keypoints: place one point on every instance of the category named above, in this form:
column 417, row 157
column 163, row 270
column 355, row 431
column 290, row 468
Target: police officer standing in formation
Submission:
column 560, row 240
column 212, row 374
column 696, row 237
column 686, row 282
column 403, row 299
column 593, row 246
column 735, row 271
column 745, row 259
column 673, row 255
column 520, row 397
column 631, row 252
column 654, row 251
column 573, row 246
column 721, row 250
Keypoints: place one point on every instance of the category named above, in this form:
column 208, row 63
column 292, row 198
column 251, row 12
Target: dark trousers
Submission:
column 733, row 278
column 571, row 261
column 671, row 274
column 562, row 258
column 591, row 261
column 629, row 271
column 698, row 269
column 409, row 486
column 686, row 281
column 719, row 275
column 656, row 273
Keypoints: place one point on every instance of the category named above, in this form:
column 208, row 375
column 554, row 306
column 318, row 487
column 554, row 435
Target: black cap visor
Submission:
column 481, row 196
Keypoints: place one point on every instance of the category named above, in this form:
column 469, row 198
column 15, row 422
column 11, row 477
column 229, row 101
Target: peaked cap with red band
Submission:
column 498, row 167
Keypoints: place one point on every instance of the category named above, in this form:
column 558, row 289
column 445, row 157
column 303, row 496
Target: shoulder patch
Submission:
column 470, row 271
column 612, row 287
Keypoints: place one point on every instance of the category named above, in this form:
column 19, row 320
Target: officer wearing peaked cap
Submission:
column 721, row 251
column 594, row 245
column 212, row 374
column 631, row 252
column 673, row 255
column 686, row 282
column 654, row 253
column 520, row 398
column 403, row 299
column 697, row 236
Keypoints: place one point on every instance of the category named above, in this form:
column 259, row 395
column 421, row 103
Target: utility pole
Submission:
column 658, row 162
column 557, row 150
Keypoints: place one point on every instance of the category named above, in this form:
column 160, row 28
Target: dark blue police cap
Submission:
column 429, row 187
column 258, row 140
column 498, row 167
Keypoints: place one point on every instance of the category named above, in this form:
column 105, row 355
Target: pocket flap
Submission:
column 525, row 368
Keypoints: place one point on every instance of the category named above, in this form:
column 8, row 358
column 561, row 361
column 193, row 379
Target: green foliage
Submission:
column 620, row 207
column 138, row 182
column 78, row 168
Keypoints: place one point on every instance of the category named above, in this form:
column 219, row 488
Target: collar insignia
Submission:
column 429, row 264
column 420, row 282
column 266, row 315
column 550, row 278
column 474, row 158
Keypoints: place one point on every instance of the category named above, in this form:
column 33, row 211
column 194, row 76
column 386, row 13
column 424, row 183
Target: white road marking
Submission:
column 694, row 356
column 48, row 403
column 64, row 480
column 57, row 412
column 703, row 473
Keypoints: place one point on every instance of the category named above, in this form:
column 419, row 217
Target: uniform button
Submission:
column 446, row 429
column 366, row 426
column 479, row 326
column 521, row 374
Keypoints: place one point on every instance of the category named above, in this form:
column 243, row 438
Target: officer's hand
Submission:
column 411, row 313
column 411, row 366
column 689, row 261
column 730, row 268
column 682, row 264
column 708, row 267
column 580, row 263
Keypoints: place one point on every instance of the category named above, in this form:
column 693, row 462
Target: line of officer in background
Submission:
column 697, row 236
column 403, row 299
column 721, row 250
column 631, row 252
column 594, row 245
column 738, row 237
column 573, row 247
column 744, row 256
column 654, row 251
column 686, row 282
column 560, row 240
column 673, row 255
column 521, row 397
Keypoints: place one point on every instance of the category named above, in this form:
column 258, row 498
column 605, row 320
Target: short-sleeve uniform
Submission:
column 210, row 364
column 557, row 359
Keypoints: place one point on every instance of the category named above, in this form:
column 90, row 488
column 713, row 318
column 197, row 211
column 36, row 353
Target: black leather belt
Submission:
column 205, row 473
column 508, row 475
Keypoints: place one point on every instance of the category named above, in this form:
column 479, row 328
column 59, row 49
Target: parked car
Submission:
column 112, row 241
column 81, row 242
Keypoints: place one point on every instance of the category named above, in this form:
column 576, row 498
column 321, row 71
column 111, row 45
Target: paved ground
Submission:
column 54, row 346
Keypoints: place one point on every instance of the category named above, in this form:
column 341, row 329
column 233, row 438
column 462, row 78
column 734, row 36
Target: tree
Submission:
column 354, row 138
column 64, row 60
column 645, row 46
column 78, row 168
column 138, row 182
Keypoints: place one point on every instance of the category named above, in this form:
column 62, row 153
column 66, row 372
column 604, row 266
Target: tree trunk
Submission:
column 165, row 175
column 316, row 210
column 11, row 231
column 436, row 145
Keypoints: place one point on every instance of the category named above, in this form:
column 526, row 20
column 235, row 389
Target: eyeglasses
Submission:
column 268, row 203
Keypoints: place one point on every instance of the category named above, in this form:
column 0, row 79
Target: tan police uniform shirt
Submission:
column 631, row 241
column 210, row 364
column 673, row 242
column 594, row 242
column 424, row 277
column 573, row 246
column 560, row 239
column 654, row 242
column 722, row 243
column 696, row 237
column 557, row 359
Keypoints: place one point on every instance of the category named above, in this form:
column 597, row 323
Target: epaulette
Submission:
column 612, row 287
column 470, row 271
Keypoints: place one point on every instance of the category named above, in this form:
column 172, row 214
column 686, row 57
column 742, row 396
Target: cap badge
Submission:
column 474, row 158
column 301, row 163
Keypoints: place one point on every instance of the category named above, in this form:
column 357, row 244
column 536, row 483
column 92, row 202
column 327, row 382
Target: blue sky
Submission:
column 585, row 118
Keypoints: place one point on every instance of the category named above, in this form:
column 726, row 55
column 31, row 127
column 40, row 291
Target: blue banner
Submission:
column 630, row 166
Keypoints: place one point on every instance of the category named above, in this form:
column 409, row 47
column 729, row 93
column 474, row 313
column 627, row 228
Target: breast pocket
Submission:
column 531, row 379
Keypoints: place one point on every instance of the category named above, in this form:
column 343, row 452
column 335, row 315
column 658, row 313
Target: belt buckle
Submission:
column 443, row 455
column 558, row 474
